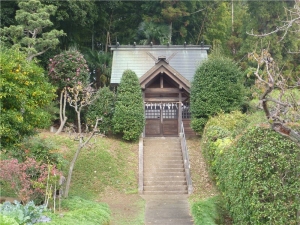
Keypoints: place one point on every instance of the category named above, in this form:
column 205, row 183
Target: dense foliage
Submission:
column 33, row 18
column 128, row 118
column 18, row 213
column 95, row 25
column 68, row 68
column 217, row 86
column 39, row 149
column 81, row 211
column 103, row 107
column 29, row 179
column 256, row 169
column 25, row 96
column 209, row 211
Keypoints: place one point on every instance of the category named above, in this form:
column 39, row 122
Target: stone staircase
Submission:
column 163, row 167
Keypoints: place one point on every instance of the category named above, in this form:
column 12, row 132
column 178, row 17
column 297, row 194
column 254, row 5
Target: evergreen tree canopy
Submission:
column 32, row 18
column 217, row 86
column 128, row 118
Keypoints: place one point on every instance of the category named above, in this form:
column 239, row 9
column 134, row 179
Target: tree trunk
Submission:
column 72, row 164
column 66, row 192
column 170, row 33
column 62, row 110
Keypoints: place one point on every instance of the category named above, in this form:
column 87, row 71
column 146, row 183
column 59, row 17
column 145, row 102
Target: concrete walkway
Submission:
column 167, row 210
column 165, row 186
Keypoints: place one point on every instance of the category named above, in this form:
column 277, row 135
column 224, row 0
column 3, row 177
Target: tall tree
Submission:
column 78, row 19
column 33, row 18
column 100, row 66
column 154, row 33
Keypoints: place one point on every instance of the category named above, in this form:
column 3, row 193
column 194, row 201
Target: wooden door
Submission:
column 161, row 119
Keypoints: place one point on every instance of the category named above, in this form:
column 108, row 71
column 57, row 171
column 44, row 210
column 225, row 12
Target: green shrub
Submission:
column 259, row 177
column 5, row 220
column 218, row 134
column 128, row 118
column 29, row 179
column 217, row 86
column 80, row 211
column 103, row 108
column 25, row 94
column 209, row 211
column 68, row 69
column 22, row 214
column 40, row 149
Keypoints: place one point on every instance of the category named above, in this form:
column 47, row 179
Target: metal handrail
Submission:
column 186, row 159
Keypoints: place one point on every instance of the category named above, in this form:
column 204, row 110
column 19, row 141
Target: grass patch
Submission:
column 209, row 211
column 107, row 163
column 81, row 212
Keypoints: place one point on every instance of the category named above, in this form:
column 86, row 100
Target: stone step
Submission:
column 163, row 170
column 165, row 162
column 163, row 158
column 161, row 146
column 162, row 183
column 165, row 192
column 150, row 166
column 163, row 174
column 162, row 153
column 187, row 221
column 164, row 178
column 166, row 188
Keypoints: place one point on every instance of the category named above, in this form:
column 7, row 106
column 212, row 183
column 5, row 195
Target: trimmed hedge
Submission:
column 259, row 177
column 217, row 86
column 256, row 169
column 128, row 118
column 218, row 134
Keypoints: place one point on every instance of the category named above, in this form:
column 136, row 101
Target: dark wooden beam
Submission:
column 162, row 90
column 163, row 99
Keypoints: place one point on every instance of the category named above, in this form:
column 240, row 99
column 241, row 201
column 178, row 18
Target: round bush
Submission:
column 259, row 177
column 217, row 86
column 68, row 68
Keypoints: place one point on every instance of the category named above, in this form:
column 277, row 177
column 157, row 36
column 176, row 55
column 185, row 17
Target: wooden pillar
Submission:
column 144, row 132
column 179, row 112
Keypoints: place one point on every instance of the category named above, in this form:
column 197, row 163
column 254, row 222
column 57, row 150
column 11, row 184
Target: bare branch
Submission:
column 294, row 19
column 286, row 108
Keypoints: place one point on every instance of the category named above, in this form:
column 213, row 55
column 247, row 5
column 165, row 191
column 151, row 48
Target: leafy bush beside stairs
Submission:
column 256, row 170
column 209, row 211
column 81, row 212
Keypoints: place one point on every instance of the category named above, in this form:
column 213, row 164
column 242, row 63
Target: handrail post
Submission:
column 186, row 159
column 141, row 165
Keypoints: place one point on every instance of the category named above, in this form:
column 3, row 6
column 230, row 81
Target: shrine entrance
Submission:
column 161, row 119
column 164, row 92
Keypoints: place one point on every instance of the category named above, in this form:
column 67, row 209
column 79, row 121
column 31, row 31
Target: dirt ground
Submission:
column 126, row 209
column 203, row 186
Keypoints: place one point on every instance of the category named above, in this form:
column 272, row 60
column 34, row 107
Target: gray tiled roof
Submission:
column 184, row 59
